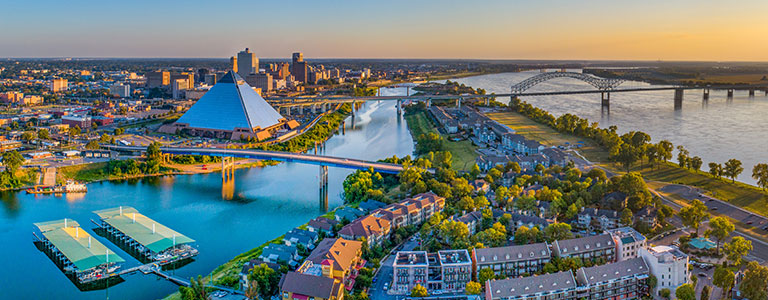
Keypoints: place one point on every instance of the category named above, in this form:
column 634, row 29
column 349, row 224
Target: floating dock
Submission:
column 144, row 237
column 76, row 253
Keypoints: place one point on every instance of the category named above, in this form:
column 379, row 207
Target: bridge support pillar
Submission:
column 730, row 93
column 605, row 99
column 301, row 109
column 399, row 106
column 429, row 101
column 458, row 103
column 751, row 92
column 487, row 101
column 314, row 108
column 679, row 98
column 706, row 94
column 344, row 127
column 227, row 169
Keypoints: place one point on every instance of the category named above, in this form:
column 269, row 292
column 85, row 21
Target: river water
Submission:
column 715, row 130
column 266, row 203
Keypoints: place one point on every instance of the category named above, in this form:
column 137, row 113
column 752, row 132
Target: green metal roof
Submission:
column 76, row 244
column 144, row 230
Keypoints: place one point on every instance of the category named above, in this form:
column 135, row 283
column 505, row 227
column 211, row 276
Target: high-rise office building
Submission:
column 58, row 85
column 120, row 90
column 190, row 77
column 233, row 63
column 299, row 67
column 261, row 80
column 201, row 75
column 247, row 63
column 158, row 79
column 179, row 85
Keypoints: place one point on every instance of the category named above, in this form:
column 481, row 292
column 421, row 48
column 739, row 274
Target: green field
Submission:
column 463, row 151
column 740, row 194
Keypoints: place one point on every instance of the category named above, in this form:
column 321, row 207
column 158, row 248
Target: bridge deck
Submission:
column 321, row 160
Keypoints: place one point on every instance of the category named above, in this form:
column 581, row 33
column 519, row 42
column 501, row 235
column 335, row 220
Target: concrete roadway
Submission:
column 276, row 155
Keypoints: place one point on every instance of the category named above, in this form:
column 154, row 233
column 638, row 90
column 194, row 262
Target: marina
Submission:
column 75, row 252
column 69, row 187
column 144, row 237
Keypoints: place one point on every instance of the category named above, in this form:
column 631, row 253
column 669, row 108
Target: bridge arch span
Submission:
column 604, row 84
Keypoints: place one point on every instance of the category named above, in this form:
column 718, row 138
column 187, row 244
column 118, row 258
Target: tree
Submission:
column 733, row 168
column 694, row 214
column 737, row 249
column 512, row 166
column 419, row 291
column 626, row 217
column 696, row 163
column 665, row 292
column 720, row 228
column 474, row 172
column 685, row 292
column 557, row 231
column 682, row 156
column 252, row 292
column 485, row 274
column 195, row 291
column 705, row 293
column 266, row 280
column 501, row 196
column 664, row 150
column 12, row 161
column 521, row 235
column 28, row 136
column 627, row 155
column 597, row 174
column 715, row 169
column 473, row 288
column 760, row 173
column 43, row 134
column 724, row 279
column 92, row 145
column 755, row 282
column 73, row 131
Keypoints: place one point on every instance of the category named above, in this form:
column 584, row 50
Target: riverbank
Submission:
column 739, row 194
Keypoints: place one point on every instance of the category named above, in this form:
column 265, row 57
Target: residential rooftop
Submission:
column 516, row 287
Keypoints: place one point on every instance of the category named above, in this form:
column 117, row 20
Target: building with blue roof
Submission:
column 231, row 109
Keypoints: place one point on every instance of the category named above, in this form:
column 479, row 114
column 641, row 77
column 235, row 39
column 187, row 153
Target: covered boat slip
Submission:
column 146, row 232
column 78, row 247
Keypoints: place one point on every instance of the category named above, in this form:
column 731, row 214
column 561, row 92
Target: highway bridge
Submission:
column 320, row 160
column 603, row 86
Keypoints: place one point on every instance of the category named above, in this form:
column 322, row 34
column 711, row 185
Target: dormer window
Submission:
column 519, row 255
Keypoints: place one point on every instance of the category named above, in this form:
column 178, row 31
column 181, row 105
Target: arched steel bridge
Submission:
column 603, row 84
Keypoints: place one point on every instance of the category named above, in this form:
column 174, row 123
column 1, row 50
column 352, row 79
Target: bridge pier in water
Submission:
column 605, row 99
column 399, row 106
column 227, row 169
column 323, row 190
column 679, row 98
column 751, row 92
column 730, row 93
column 706, row 94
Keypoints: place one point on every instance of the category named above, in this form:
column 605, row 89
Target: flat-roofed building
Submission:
column 58, row 85
column 512, row 261
column 84, row 122
column 120, row 90
column 628, row 242
column 596, row 248
column 668, row 264
column 158, row 79
column 561, row 285
column 409, row 269
column 621, row 280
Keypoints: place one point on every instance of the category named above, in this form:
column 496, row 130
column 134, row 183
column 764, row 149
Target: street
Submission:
column 384, row 276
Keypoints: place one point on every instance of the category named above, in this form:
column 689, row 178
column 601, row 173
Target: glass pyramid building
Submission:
column 230, row 106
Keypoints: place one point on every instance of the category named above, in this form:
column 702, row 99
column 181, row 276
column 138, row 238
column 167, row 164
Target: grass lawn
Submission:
column 82, row 172
column 463, row 152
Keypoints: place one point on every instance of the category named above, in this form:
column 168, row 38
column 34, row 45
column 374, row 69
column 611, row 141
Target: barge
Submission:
column 69, row 187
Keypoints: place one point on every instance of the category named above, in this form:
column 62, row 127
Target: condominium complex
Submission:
column 591, row 248
column 444, row 271
column 668, row 264
column 561, row 285
column 377, row 225
column 512, row 261
column 628, row 242
column 621, row 280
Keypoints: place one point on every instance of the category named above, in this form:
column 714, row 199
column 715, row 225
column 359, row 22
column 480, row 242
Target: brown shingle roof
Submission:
column 340, row 251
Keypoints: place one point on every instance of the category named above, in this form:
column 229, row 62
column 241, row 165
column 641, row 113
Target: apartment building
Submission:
column 561, row 286
column 444, row 271
column 668, row 264
column 628, row 242
column 512, row 261
column 594, row 248
column 621, row 280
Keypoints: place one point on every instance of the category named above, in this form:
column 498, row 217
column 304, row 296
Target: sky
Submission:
column 708, row 30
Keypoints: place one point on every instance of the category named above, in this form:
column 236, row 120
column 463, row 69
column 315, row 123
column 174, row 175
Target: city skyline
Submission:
column 546, row 30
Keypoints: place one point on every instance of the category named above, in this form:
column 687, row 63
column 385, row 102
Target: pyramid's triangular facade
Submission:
column 229, row 105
